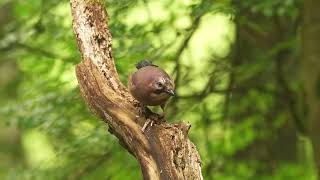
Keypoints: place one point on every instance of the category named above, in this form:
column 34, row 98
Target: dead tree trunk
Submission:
column 164, row 150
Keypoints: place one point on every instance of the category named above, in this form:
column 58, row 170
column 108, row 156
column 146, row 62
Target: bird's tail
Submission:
column 144, row 63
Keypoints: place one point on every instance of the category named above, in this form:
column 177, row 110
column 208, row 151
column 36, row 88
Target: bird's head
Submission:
column 163, row 86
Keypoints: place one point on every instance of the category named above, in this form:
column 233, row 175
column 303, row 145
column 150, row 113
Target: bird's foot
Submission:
column 148, row 121
column 142, row 111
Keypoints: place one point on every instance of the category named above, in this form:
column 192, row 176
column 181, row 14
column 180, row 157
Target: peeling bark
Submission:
column 164, row 150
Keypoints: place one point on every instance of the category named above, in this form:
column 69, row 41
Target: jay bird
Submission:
column 151, row 86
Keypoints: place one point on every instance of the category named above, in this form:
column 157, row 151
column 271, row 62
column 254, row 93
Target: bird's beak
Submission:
column 170, row 92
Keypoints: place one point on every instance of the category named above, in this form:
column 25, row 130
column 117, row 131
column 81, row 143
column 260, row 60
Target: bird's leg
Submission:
column 142, row 110
column 162, row 106
column 149, row 115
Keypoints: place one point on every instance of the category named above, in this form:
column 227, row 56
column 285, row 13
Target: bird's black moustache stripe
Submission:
column 159, row 91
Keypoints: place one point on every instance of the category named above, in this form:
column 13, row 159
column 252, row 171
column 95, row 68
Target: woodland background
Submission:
column 238, row 67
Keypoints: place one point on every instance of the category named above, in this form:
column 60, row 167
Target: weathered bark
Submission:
column 164, row 150
column 310, row 72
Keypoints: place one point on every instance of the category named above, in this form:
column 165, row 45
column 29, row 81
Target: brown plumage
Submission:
column 150, row 85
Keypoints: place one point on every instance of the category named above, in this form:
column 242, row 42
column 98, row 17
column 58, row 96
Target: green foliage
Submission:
column 232, row 83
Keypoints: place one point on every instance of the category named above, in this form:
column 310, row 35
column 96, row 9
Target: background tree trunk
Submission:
column 310, row 72
column 164, row 150
column 254, row 46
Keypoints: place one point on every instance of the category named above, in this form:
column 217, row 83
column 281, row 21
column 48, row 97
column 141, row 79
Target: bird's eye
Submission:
column 159, row 84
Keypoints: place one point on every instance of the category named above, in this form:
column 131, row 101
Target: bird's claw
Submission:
column 148, row 121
